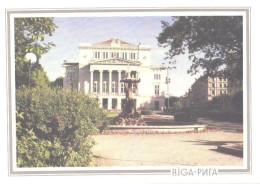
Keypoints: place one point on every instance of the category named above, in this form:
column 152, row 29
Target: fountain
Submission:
column 129, row 115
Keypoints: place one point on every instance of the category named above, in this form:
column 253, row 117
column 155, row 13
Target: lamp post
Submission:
column 168, row 79
column 31, row 59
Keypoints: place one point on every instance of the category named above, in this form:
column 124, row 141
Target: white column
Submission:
column 118, row 81
column 79, row 86
column 110, row 82
column 100, row 81
column 86, row 87
column 109, row 103
column 137, row 77
column 91, row 81
column 118, row 103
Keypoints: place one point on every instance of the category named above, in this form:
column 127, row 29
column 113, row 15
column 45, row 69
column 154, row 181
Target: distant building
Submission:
column 204, row 90
column 101, row 66
column 185, row 100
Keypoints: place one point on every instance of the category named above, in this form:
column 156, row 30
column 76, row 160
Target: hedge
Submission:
column 225, row 116
column 58, row 123
column 146, row 112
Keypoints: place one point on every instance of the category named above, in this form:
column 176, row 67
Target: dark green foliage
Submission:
column 227, row 107
column 58, row 82
column 225, row 116
column 219, row 39
column 174, row 105
column 187, row 115
column 237, row 101
column 29, row 37
column 146, row 112
column 58, row 123
column 222, row 103
column 228, row 102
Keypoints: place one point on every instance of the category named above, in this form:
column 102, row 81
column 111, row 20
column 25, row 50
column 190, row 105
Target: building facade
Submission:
column 204, row 90
column 103, row 65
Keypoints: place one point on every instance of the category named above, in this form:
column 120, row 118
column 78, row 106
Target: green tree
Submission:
column 58, row 82
column 214, row 43
column 39, row 76
column 29, row 37
column 55, row 127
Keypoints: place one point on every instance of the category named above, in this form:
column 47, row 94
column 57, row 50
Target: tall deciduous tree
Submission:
column 29, row 37
column 214, row 43
column 58, row 82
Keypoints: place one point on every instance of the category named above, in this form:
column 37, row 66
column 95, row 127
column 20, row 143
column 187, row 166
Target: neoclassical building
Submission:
column 101, row 67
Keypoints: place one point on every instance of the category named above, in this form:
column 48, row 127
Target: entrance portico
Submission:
column 103, row 65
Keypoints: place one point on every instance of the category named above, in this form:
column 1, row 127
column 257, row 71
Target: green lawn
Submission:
column 111, row 115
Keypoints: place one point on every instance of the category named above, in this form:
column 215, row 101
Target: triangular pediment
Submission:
column 114, row 61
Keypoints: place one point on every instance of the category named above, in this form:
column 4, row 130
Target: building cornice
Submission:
column 115, row 61
column 115, row 48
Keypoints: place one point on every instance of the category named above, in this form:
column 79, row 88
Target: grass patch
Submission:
column 111, row 115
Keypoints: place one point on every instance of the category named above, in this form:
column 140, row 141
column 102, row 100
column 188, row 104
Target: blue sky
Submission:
column 72, row 31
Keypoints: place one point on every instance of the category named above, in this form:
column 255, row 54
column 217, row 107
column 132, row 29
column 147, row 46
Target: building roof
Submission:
column 65, row 64
column 107, row 42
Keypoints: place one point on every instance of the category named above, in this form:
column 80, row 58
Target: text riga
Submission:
column 194, row 172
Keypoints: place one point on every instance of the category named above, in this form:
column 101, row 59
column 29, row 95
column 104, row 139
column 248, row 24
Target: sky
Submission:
column 72, row 31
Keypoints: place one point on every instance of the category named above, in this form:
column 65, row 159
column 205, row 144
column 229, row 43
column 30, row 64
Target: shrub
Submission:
column 146, row 112
column 170, row 110
column 188, row 115
column 59, row 121
column 225, row 116
column 237, row 101
column 31, row 150
column 222, row 103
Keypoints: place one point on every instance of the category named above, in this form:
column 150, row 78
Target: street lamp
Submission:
column 168, row 79
column 31, row 59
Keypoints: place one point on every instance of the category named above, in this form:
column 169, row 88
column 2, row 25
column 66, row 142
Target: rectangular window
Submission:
column 95, row 87
column 104, row 90
column 122, row 85
column 157, row 76
column 125, row 55
column 134, row 88
column 213, row 92
column 114, row 87
column 157, row 89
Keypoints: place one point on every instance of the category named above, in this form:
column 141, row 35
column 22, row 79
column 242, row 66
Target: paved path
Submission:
column 192, row 149
column 224, row 126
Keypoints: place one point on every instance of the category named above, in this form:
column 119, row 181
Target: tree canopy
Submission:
column 29, row 37
column 58, row 82
column 214, row 43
